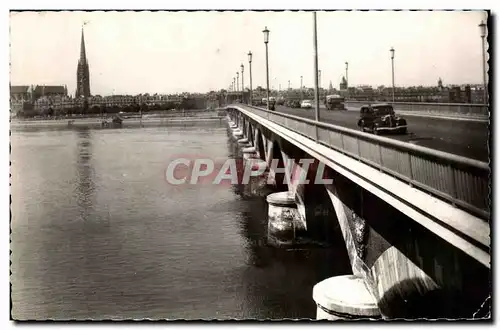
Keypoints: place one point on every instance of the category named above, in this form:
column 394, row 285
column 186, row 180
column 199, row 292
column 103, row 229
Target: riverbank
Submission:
column 97, row 122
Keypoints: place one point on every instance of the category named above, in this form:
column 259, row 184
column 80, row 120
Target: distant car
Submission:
column 306, row 104
column 377, row 118
column 272, row 102
column 256, row 102
column 333, row 102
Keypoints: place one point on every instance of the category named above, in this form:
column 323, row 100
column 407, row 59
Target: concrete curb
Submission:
column 448, row 117
column 481, row 119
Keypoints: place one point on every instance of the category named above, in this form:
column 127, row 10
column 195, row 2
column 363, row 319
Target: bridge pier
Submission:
column 283, row 219
column 237, row 133
column 343, row 298
column 244, row 142
column 249, row 153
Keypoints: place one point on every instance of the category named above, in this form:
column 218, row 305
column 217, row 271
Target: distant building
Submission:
column 330, row 88
column 440, row 84
column 41, row 91
column 343, row 84
column 18, row 93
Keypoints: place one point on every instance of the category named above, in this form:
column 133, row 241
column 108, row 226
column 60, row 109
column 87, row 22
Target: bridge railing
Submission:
column 461, row 181
column 441, row 108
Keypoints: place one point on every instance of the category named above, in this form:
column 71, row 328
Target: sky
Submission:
column 173, row 52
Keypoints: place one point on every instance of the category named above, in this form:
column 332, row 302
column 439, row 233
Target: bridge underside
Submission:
column 410, row 270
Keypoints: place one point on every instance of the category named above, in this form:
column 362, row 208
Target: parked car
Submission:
column 292, row 103
column 377, row 118
column 306, row 104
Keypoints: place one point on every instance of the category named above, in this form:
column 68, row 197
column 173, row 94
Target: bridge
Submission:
column 414, row 220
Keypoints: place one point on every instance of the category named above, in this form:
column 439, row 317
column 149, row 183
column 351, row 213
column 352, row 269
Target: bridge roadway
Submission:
column 463, row 138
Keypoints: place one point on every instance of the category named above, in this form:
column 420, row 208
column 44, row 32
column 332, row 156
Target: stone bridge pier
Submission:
column 400, row 269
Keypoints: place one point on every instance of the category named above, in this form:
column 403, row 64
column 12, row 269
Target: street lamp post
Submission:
column 242, row 84
column 301, row 89
column 482, row 28
column 266, row 41
column 392, row 61
column 237, row 81
column 316, row 89
column 250, row 68
column 347, row 78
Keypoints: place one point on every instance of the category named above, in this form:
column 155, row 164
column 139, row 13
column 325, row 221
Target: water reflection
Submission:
column 85, row 187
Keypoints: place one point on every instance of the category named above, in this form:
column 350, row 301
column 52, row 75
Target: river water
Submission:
column 98, row 233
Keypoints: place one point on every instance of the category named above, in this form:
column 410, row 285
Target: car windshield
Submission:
column 308, row 101
column 387, row 110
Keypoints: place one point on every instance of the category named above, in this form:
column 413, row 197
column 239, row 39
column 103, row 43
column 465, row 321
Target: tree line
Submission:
column 86, row 109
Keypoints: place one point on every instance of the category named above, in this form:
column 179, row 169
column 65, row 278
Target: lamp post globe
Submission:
column 266, row 35
column 482, row 28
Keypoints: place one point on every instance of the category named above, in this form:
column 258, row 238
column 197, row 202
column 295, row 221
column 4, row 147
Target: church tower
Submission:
column 82, row 73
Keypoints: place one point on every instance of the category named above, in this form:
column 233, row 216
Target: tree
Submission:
column 95, row 109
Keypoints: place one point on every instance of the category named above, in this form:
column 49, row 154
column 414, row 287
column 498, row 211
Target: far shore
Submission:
column 97, row 122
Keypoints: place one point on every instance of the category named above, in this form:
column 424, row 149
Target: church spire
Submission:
column 83, row 57
column 82, row 72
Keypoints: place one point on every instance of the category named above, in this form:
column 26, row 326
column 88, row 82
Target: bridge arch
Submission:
column 410, row 298
column 250, row 132
column 276, row 157
column 259, row 144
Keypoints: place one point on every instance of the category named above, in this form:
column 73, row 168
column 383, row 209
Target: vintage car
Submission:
column 333, row 102
column 377, row 118
column 257, row 102
column 292, row 103
column 306, row 104
column 272, row 102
